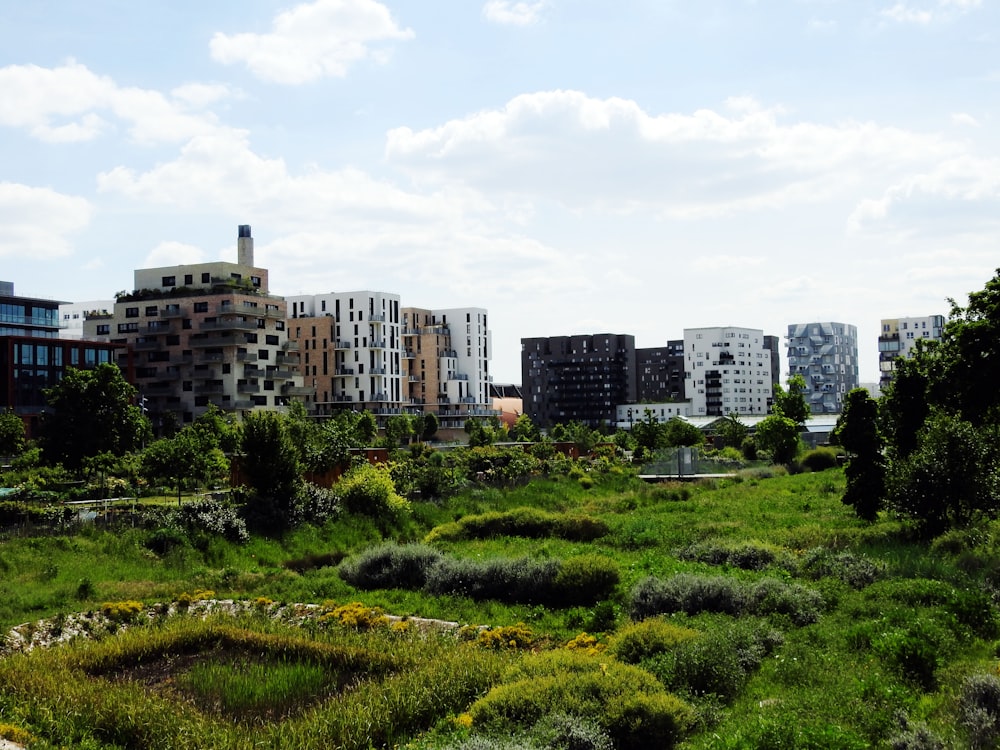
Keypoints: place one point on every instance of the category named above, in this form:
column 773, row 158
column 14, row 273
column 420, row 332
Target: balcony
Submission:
column 344, row 371
column 342, row 398
column 248, row 386
column 408, row 354
column 288, row 389
column 341, row 344
column 228, row 325
column 246, row 356
column 241, row 308
column 206, row 374
column 209, row 389
column 146, row 346
column 211, row 357
column 171, row 311
column 290, row 346
column 210, row 341
column 377, row 318
column 156, row 326
column 250, row 371
column 279, row 373
column 377, row 344
column 376, row 371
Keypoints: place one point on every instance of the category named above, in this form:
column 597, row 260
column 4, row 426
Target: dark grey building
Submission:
column 577, row 378
column 659, row 373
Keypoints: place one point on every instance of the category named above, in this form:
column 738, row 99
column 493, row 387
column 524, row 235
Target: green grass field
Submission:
column 773, row 618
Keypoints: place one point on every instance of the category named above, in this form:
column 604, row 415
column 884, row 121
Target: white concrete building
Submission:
column 727, row 370
column 72, row 315
column 357, row 363
column 899, row 337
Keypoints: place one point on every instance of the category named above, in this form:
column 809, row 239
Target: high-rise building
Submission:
column 350, row 350
column 898, row 338
column 446, row 363
column 577, row 378
column 727, row 371
column 205, row 334
column 659, row 373
column 33, row 357
column 826, row 355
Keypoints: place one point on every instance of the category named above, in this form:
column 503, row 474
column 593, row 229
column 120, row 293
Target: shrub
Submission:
column 568, row 732
column 853, row 569
column 979, row 710
column 688, row 593
column 126, row 611
column 369, row 490
column 746, row 556
column 915, row 650
column 771, row 596
column 390, row 566
column 585, row 580
column 647, row 638
column 628, row 703
column 507, row 636
column 517, row 581
column 356, row 615
column 523, row 522
column 316, row 505
column 819, row 459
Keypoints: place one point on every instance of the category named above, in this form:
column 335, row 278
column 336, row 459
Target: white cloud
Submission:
column 962, row 118
column 613, row 155
column 513, row 13
column 172, row 254
column 39, row 223
column 902, row 13
column 70, row 103
column 927, row 13
column 312, row 41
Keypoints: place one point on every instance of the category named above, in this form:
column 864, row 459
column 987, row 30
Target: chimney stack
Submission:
column 244, row 246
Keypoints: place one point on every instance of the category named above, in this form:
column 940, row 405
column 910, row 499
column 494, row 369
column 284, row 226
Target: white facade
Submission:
column 899, row 337
column 727, row 370
column 366, row 343
column 465, row 379
column 72, row 315
column 628, row 415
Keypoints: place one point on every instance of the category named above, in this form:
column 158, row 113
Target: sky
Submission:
column 573, row 166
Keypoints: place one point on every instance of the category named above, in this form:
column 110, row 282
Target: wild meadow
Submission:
column 752, row 612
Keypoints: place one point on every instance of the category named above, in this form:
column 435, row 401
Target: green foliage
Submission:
column 642, row 640
column 494, row 465
column 857, row 431
column 92, row 412
column 524, row 522
column 386, row 566
column 819, row 459
column 270, row 464
column 679, row 432
column 628, row 703
column 778, row 435
column 951, row 479
column 792, row 404
column 585, row 579
column 192, row 456
column 732, row 431
column 691, row 594
column 429, row 425
column 12, row 434
column 854, row 569
column 747, row 556
column 370, row 491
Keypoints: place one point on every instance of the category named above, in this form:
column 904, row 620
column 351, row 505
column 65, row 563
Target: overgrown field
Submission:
column 754, row 612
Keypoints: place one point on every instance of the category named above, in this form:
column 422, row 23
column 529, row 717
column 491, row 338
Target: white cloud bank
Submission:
column 39, row 222
column 509, row 13
column 312, row 41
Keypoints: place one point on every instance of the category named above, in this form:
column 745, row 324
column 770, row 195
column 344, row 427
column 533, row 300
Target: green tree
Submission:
column 429, row 425
column 12, row 434
column 92, row 412
column 398, row 429
column 952, row 478
column 679, row 432
column 191, row 457
column 272, row 471
column 732, row 431
column 779, row 436
column 792, row 403
column 524, row 430
column 649, row 433
column 858, row 433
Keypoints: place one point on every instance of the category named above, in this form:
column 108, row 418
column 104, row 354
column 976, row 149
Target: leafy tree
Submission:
column 429, row 425
column 792, row 403
column 904, row 407
column 779, row 436
column 952, row 477
column 578, row 433
column 649, row 434
column 192, row 456
column 364, row 426
column 524, row 430
column 398, row 428
column 857, row 431
column 272, row 471
column 92, row 412
column 732, row 431
column 12, row 434
column 679, row 432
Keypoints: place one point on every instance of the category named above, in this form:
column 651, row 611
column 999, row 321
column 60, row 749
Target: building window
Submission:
column 131, row 312
column 201, row 307
column 169, row 281
column 206, row 277
column 103, row 330
column 188, row 279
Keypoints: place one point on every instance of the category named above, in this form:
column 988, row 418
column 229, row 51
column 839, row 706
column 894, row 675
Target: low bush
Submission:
column 979, row 710
column 388, row 566
column 531, row 523
column 647, row 638
column 627, row 702
column 585, row 580
column 819, row 459
column 517, row 580
column 853, row 569
column 747, row 556
column 369, row 490
column 692, row 594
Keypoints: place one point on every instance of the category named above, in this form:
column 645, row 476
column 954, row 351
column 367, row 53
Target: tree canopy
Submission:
column 92, row 412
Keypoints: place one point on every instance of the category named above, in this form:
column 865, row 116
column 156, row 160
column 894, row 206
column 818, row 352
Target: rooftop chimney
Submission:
column 244, row 246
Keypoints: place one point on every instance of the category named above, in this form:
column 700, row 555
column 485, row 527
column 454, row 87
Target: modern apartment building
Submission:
column 33, row 357
column 577, row 378
column 659, row 373
column 205, row 334
column 898, row 338
column 446, row 363
column 826, row 355
column 350, row 350
column 727, row 371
